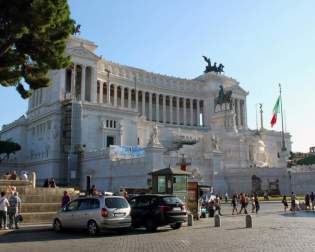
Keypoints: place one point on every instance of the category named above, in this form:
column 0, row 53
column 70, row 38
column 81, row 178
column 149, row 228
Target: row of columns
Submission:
column 240, row 111
column 147, row 106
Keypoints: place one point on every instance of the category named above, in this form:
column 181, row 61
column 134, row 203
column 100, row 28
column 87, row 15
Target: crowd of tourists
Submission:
column 295, row 205
column 243, row 200
column 12, row 175
column 10, row 209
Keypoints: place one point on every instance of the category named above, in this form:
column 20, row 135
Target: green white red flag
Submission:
column 276, row 110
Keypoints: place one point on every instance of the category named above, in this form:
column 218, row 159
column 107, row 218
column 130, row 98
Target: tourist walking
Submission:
column 253, row 203
column 293, row 203
column 226, row 197
column 234, row 204
column 4, row 203
column 65, row 199
column 285, row 203
column 14, row 209
column 256, row 201
column 243, row 203
column 307, row 202
column 312, row 197
column 217, row 205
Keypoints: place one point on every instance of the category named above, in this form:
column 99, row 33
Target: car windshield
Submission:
column 172, row 200
column 116, row 203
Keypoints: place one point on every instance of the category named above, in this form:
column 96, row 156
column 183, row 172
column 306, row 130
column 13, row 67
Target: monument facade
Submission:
column 69, row 128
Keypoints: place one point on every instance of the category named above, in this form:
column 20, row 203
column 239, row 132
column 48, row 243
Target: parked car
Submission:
column 154, row 210
column 94, row 214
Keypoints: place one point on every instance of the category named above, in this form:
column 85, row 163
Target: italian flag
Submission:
column 276, row 109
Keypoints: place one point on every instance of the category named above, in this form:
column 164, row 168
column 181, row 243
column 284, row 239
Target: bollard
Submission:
column 248, row 220
column 217, row 221
column 33, row 179
column 190, row 219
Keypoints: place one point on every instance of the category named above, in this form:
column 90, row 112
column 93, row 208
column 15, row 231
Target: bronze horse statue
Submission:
column 214, row 68
column 223, row 98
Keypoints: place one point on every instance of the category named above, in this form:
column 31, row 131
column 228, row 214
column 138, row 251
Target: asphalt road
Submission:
column 272, row 231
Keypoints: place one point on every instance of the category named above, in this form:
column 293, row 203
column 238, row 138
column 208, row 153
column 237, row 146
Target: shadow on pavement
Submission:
column 50, row 235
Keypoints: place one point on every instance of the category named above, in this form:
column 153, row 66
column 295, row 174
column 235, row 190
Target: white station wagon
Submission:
column 94, row 214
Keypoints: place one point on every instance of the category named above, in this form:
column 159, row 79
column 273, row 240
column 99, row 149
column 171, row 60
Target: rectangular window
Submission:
column 161, row 184
column 179, row 184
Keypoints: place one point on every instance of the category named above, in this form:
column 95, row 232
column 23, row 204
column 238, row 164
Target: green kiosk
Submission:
column 171, row 180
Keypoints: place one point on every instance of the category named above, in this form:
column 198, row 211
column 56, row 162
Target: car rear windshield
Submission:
column 172, row 200
column 116, row 203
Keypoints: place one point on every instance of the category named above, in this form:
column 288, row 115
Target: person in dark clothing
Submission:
column 93, row 191
column 312, row 197
column 234, row 203
column 285, row 203
column 257, row 205
column 52, row 183
column 65, row 199
column 307, row 202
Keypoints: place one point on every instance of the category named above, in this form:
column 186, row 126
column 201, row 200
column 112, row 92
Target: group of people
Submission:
column 50, row 183
column 243, row 199
column 309, row 201
column 12, row 175
column 10, row 207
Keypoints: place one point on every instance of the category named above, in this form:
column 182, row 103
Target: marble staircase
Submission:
column 39, row 205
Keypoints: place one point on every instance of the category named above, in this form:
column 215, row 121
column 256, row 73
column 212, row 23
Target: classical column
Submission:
column 83, row 83
column 150, row 106
column 73, row 75
column 164, row 109
column 122, row 99
column 198, row 113
column 171, row 109
column 157, row 107
column 191, row 112
column 108, row 93
column 115, row 95
column 185, row 115
column 101, row 91
column 143, row 103
column 94, row 84
column 129, row 98
column 177, row 111
column 137, row 102
column 245, row 114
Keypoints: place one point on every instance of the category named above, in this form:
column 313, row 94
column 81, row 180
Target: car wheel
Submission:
column 92, row 228
column 57, row 226
column 150, row 225
column 176, row 225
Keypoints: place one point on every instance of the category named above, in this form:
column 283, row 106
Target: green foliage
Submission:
column 309, row 160
column 33, row 38
column 8, row 147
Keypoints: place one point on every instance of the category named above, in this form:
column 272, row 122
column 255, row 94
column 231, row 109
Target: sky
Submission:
column 260, row 43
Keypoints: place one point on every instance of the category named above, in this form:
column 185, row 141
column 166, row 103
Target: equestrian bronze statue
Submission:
column 223, row 98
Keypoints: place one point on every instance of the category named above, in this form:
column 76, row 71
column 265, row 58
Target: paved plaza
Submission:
column 272, row 231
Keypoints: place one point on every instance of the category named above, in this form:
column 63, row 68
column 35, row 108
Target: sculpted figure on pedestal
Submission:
column 154, row 139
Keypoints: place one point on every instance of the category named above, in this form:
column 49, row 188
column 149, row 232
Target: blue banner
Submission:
column 125, row 152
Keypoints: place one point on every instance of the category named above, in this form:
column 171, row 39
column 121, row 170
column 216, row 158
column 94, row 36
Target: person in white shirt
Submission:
column 4, row 203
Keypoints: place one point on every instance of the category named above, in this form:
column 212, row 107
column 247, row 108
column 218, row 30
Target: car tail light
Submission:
column 104, row 212
column 164, row 208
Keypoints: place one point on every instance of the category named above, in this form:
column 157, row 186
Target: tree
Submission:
column 8, row 147
column 33, row 38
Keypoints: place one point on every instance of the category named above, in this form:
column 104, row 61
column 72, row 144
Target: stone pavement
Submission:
column 272, row 231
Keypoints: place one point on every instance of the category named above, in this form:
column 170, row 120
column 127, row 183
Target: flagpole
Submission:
column 283, row 142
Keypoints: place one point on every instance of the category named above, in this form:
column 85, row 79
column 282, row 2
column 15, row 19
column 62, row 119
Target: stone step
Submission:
column 38, row 217
column 32, row 198
column 40, row 207
column 42, row 190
